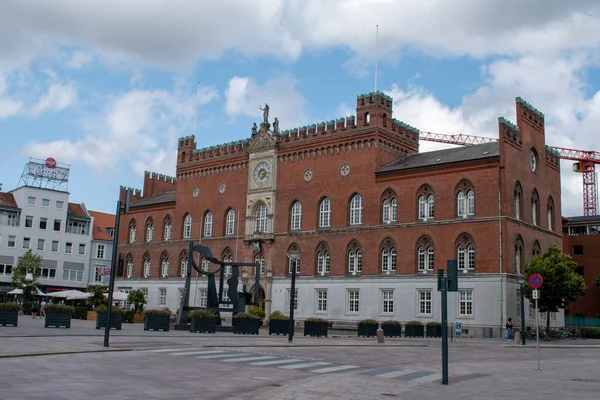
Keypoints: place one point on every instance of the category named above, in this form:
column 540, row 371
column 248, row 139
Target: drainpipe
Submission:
column 501, row 252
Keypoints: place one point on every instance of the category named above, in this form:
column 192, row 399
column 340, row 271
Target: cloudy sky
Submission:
column 107, row 86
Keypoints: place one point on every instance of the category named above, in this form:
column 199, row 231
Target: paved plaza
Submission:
column 49, row 363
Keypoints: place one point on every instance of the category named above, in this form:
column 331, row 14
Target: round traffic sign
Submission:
column 535, row 281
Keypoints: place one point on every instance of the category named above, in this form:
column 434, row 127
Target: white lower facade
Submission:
column 483, row 300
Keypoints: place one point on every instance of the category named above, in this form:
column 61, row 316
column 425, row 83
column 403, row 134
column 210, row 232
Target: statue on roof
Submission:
column 265, row 113
column 254, row 129
column 276, row 126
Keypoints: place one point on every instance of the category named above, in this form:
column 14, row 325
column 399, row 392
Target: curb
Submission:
column 54, row 353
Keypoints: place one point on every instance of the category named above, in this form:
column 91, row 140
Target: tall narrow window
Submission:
column 325, row 213
column 208, row 224
column 183, row 264
column 356, row 207
column 147, row 266
column 168, row 231
column 430, row 206
column 425, row 254
column 470, row 202
column 296, row 216
column 388, row 256
column 164, row 266
column 187, row 226
column 387, row 301
column 260, row 260
column 518, row 194
column 323, row 262
column 230, row 222
column 386, row 208
column 353, row 301
column 354, row 261
column 422, row 208
column 130, row 268
column 461, row 204
column 149, row 232
column 261, row 218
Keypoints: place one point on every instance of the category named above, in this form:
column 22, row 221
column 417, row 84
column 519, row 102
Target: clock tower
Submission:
column 262, row 183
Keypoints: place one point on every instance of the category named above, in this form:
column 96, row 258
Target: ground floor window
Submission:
column 466, row 303
column 162, row 297
column 425, row 308
column 321, row 300
column 387, row 301
column 353, row 301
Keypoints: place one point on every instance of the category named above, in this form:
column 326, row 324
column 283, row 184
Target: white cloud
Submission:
column 123, row 32
column 8, row 107
column 139, row 127
column 78, row 60
column 245, row 97
column 57, row 98
column 554, row 86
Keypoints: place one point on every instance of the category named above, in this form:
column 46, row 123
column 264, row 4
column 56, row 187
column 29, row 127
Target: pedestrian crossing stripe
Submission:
column 305, row 364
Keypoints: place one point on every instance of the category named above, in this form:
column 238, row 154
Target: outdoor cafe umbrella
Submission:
column 20, row 291
column 68, row 293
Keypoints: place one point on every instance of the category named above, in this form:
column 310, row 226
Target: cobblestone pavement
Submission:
column 175, row 365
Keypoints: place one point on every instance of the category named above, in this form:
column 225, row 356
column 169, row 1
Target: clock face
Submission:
column 532, row 160
column 262, row 173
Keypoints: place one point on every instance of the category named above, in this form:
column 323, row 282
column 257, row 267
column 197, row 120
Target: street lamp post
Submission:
column 521, row 281
column 294, row 256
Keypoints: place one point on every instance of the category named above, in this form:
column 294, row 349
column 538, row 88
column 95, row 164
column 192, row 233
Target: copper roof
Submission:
column 102, row 221
column 160, row 198
column 7, row 200
column 75, row 210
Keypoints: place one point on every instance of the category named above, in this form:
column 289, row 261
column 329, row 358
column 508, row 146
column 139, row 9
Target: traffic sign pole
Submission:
column 444, row 331
column 537, row 333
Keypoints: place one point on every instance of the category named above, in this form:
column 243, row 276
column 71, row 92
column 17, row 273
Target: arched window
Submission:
column 519, row 255
column 535, row 208
column 208, row 221
column 518, row 195
column 388, row 256
column 425, row 254
column 168, row 228
column 227, row 257
column 187, row 226
column 147, row 266
column 465, row 199
column 550, row 213
column 296, row 217
column 384, row 119
column 132, row 231
column 323, row 259
column 367, row 118
column 183, row 264
column 356, row 207
column 536, row 248
column 325, row 213
column 130, row 265
column 164, row 265
column 261, row 218
column 354, row 258
column 465, row 253
column 425, row 199
column 230, row 222
column 389, row 207
column 149, row 230
column 260, row 259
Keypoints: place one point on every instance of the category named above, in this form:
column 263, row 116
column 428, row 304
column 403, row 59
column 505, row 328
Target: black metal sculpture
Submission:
column 214, row 299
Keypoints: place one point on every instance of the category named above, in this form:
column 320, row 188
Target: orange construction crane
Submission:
column 586, row 162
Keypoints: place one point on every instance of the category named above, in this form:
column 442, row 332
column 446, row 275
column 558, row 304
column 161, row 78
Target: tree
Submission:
column 97, row 297
column 560, row 283
column 28, row 263
column 138, row 299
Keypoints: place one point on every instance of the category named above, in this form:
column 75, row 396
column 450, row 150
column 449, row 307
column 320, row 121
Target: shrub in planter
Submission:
column 316, row 327
column 9, row 314
column 259, row 312
column 246, row 323
column 391, row 328
column 58, row 315
column 279, row 323
column 116, row 320
column 414, row 329
column 434, row 329
column 128, row 316
column 157, row 319
column 367, row 327
column 203, row 321
column 80, row 312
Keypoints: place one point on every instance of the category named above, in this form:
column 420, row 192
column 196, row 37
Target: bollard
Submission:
column 517, row 337
column 380, row 338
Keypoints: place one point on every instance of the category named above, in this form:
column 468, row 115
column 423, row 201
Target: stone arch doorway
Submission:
column 262, row 298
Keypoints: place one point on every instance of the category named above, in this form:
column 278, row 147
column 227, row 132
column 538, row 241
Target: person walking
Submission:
column 43, row 308
column 509, row 330
column 34, row 307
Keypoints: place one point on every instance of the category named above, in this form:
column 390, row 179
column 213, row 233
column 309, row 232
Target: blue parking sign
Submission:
column 458, row 329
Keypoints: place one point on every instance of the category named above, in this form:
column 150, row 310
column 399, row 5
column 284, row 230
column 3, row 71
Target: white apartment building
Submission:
column 43, row 220
column 103, row 233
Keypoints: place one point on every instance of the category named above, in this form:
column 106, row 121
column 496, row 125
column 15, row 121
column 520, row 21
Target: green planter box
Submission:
column 115, row 322
column 9, row 317
column 157, row 322
column 58, row 319
column 315, row 329
column 203, row 324
column 367, row 330
column 246, row 326
column 414, row 331
column 392, row 330
column 434, row 331
column 279, row 327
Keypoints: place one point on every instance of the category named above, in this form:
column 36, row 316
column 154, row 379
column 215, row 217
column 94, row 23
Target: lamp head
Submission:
column 520, row 279
column 294, row 254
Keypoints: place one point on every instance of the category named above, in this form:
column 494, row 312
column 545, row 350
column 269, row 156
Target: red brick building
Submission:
column 372, row 217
